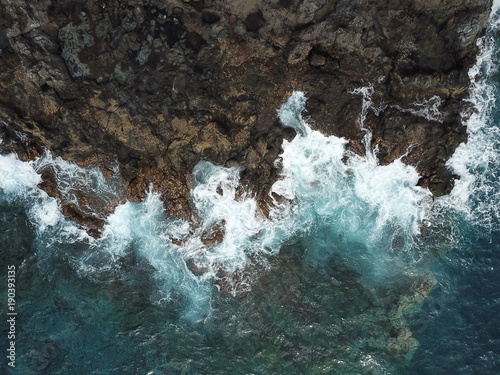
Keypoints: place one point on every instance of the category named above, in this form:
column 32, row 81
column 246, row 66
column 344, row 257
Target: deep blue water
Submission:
column 458, row 326
column 336, row 281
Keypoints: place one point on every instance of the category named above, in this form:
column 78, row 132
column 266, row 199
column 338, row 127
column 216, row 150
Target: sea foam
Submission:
column 476, row 162
column 365, row 212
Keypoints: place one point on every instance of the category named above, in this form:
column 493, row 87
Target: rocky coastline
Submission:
column 157, row 86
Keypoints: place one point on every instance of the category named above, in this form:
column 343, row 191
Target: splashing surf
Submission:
column 368, row 213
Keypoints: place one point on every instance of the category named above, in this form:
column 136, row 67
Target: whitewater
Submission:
column 361, row 206
column 321, row 281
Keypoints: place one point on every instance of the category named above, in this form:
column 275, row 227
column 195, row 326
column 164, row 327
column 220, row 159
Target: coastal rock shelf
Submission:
column 160, row 85
column 250, row 186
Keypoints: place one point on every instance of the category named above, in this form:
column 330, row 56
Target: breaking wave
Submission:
column 367, row 213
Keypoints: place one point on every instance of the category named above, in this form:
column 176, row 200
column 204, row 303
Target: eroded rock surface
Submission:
column 160, row 85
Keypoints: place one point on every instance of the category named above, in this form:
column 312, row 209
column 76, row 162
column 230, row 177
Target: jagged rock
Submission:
column 159, row 85
column 215, row 234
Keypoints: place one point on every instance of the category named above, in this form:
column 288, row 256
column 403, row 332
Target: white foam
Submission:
column 145, row 229
column 366, row 93
column 477, row 192
column 366, row 212
column 290, row 117
column 46, row 214
column 428, row 109
column 215, row 199
column 16, row 176
column 376, row 209
column 18, row 183
column 74, row 181
column 496, row 6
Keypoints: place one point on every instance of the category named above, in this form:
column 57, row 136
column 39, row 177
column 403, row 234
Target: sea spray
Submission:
column 377, row 210
column 18, row 183
column 145, row 229
column 87, row 189
column 367, row 213
column 477, row 192
column 215, row 198
column 456, row 326
column 366, row 92
column 17, row 177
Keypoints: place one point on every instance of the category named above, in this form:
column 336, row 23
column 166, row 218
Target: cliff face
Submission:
column 159, row 85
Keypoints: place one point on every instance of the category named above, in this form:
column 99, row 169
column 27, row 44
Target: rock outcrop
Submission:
column 160, row 84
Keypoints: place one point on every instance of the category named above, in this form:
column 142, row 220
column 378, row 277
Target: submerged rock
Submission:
column 322, row 319
column 160, row 85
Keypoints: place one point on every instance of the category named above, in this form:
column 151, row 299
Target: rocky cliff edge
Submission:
column 159, row 85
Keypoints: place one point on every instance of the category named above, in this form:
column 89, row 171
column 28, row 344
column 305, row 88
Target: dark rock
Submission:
column 215, row 234
column 159, row 86
column 196, row 269
column 210, row 18
column 345, row 11
column 254, row 21
column 316, row 59
column 194, row 41
column 286, row 3
column 4, row 43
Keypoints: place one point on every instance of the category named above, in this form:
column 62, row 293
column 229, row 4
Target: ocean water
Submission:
column 354, row 269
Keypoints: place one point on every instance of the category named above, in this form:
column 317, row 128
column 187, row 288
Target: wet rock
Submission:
column 160, row 85
column 400, row 341
column 215, row 234
column 195, row 268
column 84, row 204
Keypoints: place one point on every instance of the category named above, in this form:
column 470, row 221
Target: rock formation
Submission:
column 158, row 85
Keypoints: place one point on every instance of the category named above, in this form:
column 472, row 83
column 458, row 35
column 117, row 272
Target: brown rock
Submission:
column 215, row 235
column 160, row 85
column 317, row 60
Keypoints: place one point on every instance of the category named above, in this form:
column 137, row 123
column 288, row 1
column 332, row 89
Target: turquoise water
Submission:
column 458, row 327
column 355, row 270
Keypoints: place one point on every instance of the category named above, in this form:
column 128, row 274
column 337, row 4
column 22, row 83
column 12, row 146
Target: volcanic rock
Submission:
column 158, row 85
